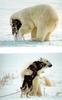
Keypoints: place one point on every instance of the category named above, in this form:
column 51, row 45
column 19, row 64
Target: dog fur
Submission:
column 30, row 85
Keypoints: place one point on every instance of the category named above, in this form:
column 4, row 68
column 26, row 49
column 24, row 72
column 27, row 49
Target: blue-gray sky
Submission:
column 17, row 62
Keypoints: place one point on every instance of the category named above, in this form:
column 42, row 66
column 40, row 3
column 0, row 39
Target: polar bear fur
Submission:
column 33, row 71
column 39, row 20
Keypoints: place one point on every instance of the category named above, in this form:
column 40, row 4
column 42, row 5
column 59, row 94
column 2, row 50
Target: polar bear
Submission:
column 31, row 85
column 39, row 20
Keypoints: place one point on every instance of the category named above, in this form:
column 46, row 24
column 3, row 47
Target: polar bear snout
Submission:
column 50, row 65
column 16, row 24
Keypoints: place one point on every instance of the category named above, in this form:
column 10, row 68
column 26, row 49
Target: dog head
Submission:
column 16, row 24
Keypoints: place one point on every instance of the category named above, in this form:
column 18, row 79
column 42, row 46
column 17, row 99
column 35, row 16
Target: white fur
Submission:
column 40, row 20
column 36, row 89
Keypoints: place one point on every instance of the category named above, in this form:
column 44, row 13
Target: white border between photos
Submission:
column 47, row 49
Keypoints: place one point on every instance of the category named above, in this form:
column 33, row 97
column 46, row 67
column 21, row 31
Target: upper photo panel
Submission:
column 30, row 23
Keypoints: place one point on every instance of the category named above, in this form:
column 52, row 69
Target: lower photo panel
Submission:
column 30, row 75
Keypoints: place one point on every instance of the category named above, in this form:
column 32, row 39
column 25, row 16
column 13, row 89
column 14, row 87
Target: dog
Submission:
column 30, row 85
column 16, row 24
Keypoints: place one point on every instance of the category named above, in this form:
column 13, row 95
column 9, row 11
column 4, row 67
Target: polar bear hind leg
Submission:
column 44, row 32
column 47, row 38
column 41, row 33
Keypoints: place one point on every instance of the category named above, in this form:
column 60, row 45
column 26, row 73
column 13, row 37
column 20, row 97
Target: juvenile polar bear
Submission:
column 40, row 20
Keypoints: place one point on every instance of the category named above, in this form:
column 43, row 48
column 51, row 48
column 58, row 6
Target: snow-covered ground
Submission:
column 11, row 66
column 8, row 7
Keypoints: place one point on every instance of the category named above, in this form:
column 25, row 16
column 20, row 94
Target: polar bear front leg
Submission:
column 39, row 93
column 35, row 85
column 21, row 32
column 25, row 29
column 33, row 33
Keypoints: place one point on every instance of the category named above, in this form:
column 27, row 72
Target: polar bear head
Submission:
column 45, row 63
column 37, row 66
column 40, row 64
